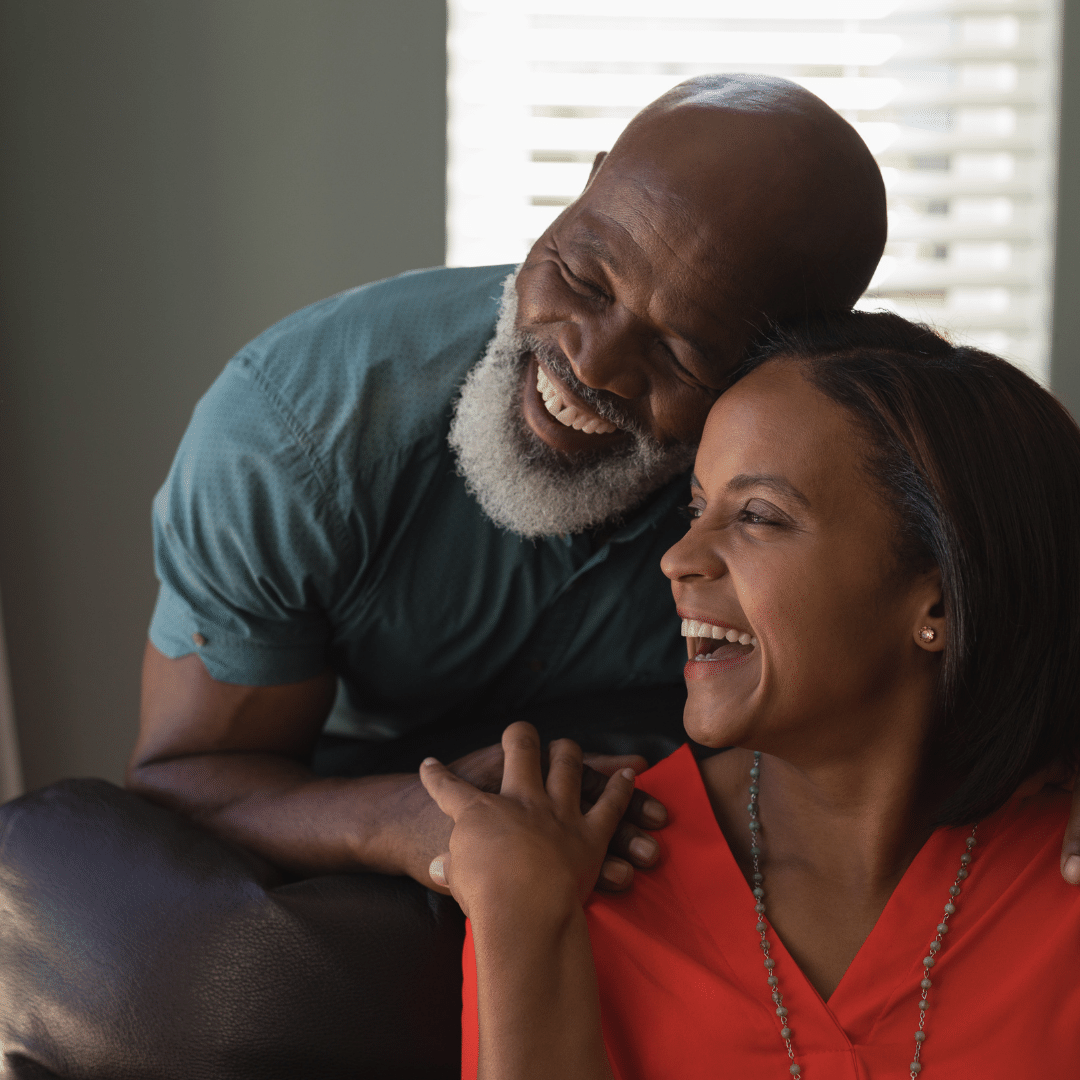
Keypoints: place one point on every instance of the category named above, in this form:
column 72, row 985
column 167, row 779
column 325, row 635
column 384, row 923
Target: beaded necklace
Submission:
column 770, row 964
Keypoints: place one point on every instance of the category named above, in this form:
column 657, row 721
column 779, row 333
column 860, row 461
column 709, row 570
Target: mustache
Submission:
column 602, row 402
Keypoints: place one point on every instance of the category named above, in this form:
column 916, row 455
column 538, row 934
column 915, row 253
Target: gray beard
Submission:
column 523, row 484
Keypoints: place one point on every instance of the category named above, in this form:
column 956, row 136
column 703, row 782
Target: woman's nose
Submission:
column 607, row 352
column 693, row 557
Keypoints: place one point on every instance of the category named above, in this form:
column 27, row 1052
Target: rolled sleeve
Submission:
column 249, row 546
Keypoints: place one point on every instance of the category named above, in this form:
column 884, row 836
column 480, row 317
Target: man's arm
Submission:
column 235, row 759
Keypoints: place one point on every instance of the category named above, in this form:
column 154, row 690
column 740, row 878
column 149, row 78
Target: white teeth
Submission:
column 569, row 415
column 695, row 628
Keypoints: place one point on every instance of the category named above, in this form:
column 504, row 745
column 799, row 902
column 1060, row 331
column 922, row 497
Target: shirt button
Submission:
column 198, row 639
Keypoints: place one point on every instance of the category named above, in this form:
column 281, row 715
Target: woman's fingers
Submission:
column 439, row 870
column 644, row 811
column 606, row 813
column 521, row 760
column 450, row 793
column 564, row 773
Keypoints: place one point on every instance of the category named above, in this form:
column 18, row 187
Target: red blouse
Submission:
column 682, row 986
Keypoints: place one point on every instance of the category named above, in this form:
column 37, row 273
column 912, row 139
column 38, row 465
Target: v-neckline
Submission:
column 896, row 943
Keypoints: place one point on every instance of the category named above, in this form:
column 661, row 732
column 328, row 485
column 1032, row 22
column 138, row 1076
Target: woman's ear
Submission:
column 929, row 625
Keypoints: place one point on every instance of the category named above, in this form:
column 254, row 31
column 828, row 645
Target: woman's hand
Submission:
column 529, row 849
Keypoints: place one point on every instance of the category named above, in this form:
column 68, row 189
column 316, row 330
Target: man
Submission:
column 452, row 506
column 728, row 203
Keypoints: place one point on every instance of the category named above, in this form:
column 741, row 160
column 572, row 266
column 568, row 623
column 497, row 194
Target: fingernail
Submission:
column 616, row 873
column 430, row 761
column 641, row 847
column 437, row 871
column 654, row 812
column 1072, row 870
column 629, row 774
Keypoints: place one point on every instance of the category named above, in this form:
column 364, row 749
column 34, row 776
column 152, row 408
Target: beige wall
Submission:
column 175, row 176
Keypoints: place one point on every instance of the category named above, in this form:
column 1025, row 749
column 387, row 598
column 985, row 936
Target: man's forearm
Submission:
column 278, row 808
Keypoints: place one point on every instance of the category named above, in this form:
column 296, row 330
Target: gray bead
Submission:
column 794, row 1070
column 924, row 1005
column 759, row 908
column 761, row 927
column 773, row 980
column 935, row 946
column 755, row 826
column 770, row 964
column 758, row 878
column 752, row 808
column 927, row 961
column 781, row 1011
column 755, row 772
column 943, row 928
column 754, row 789
column 926, row 984
column 759, row 892
column 756, row 851
column 915, row 1067
column 950, row 908
column 777, row 997
column 971, row 842
column 961, row 875
column 920, row 1036
column 765, row 945
column 785, row 1033
column 965, row 859
column 954, row 890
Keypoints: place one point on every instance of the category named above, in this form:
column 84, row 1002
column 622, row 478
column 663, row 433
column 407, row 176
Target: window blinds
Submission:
column 956, row 100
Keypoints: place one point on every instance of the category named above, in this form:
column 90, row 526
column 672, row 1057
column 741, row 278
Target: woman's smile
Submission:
column 785, row 581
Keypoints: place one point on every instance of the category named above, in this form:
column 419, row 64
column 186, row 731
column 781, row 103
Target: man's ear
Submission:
column 597, row 162
column 929, row 629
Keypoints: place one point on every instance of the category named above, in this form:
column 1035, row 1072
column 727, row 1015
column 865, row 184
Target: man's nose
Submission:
column 608, row 352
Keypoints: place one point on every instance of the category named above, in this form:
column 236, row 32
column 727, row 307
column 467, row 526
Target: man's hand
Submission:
column 235, row 759
column 630, row 847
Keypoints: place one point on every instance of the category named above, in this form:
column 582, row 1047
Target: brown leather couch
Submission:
column 136, row 946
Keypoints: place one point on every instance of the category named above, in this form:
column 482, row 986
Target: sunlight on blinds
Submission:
column 955, row 99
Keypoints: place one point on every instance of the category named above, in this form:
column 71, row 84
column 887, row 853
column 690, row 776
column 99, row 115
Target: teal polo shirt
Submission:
column 314, row 516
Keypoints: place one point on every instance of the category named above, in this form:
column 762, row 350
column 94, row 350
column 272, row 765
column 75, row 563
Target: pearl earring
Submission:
column 927, row 633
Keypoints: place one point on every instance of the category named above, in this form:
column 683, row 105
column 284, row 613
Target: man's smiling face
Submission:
column 622, row 294
column 731, row 201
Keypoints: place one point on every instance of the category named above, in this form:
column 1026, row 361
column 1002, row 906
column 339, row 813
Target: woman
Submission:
column 880, row 592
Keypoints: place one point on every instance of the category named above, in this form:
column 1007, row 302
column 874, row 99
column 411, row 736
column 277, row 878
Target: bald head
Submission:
column 784, row 195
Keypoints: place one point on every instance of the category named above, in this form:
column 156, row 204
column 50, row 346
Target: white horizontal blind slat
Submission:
column 954, row 98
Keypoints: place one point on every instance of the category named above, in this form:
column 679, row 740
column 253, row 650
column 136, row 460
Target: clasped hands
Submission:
column 541, row 839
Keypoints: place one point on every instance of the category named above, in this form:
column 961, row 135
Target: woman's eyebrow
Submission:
column 776, row 483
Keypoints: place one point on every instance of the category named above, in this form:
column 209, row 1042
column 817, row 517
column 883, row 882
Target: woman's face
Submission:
column 791, row 547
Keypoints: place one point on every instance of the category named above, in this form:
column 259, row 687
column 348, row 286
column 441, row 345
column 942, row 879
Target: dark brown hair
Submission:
column 982, row 466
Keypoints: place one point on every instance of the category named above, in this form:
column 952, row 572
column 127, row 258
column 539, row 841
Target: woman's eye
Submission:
column 691, row 512
column 748, row 516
